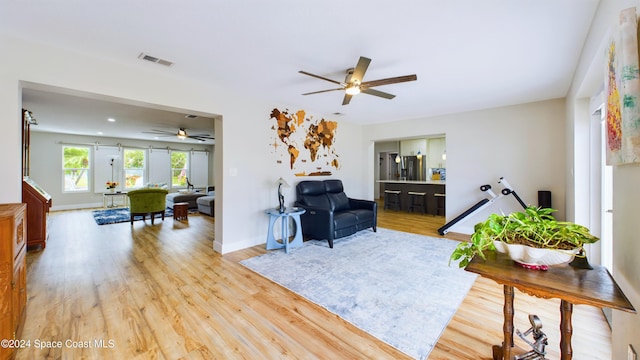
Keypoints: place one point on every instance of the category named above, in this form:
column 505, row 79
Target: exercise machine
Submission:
column 484, row 203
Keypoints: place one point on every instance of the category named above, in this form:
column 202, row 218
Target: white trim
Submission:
column 224, row 248
column 76, row 206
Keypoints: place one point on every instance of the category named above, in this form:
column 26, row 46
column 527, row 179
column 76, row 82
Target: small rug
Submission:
column 396, row 286
column 119, row 215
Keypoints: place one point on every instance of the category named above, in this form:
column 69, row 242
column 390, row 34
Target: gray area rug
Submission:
column 396, row 286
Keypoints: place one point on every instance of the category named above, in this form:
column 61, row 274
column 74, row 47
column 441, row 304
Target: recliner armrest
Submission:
column 316, row 216
column 312, row 210
column 363, row 204
column 317, row 222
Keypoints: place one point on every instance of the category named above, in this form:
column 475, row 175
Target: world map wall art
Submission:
column 303, row 143
column 622, row 91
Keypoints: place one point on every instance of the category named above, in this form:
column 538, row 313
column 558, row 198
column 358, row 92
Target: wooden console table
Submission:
column 569, row 284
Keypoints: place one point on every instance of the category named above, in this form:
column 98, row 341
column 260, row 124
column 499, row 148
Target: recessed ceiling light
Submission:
column 111, row 120
column 99, row 132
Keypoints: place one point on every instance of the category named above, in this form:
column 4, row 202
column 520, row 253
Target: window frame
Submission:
column 87, row 170
column 125, row 169
column 187, row 169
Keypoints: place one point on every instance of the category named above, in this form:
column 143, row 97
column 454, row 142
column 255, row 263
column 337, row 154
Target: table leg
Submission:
column 566, row 330
column 504, row 351
column 297, row 235
column 271, row 241
column 285, row 233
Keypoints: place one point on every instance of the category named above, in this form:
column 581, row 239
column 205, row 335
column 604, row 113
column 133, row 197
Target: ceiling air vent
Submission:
column 154, row 59
column 189, row 116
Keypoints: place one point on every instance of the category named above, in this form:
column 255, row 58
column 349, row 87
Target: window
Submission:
column 134, row 161
column 179, row 168
column 75, row 168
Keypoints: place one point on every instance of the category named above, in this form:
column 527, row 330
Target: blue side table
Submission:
column 274, row 215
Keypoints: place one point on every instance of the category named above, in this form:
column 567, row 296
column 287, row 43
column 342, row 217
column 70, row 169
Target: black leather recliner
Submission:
column 330, row 214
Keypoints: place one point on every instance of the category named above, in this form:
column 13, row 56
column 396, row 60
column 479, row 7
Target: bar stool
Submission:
column 417, row 200
column 392, row 199
column 440, row 202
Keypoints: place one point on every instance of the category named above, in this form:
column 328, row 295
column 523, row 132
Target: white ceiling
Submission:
column 60, row 112
column 467, row 54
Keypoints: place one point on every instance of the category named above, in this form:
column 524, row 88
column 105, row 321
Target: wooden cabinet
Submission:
column 38, row 204
column 37, row 199
column 13, row 274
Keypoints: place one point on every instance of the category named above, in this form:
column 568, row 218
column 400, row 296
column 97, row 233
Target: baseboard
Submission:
column 76, row 206
column 224, row 248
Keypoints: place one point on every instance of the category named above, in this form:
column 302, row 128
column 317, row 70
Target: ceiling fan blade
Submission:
column 159, row 132
column 319, row 77
column 361, row 68
column 347, row 99
column 321, row 91
column 378, row 93
column 201, row 138
column 388, row 81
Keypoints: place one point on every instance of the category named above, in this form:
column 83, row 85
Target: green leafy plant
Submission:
column 534, row 227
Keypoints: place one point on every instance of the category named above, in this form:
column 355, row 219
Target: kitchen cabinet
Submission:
column 412, row 147
column 435, row 152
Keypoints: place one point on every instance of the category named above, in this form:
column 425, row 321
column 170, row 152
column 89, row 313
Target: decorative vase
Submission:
column 528, row 255
column 112, row 190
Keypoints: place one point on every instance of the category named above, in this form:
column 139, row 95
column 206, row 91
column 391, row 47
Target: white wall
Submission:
column 523, row 143
column 379, row 148
column 588, row 81
column 46, row 166
column 245, row 169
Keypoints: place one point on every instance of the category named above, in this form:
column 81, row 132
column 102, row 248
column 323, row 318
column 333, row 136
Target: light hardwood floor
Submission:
column 161, row 292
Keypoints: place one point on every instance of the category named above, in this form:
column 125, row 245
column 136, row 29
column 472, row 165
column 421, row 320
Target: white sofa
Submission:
column 206, row 204
column 186, row 197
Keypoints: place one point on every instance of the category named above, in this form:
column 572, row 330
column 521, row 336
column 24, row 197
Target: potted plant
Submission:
column 533, row 237
column 112, row 185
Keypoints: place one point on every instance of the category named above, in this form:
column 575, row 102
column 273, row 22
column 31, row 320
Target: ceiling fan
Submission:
column 353, row 83
column 181, row 134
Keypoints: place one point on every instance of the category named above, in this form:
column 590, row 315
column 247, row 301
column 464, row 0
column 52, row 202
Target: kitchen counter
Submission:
column 432, row 182
column 435, row 204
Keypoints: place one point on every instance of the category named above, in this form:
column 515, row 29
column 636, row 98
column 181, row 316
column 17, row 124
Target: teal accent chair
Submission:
column 147, row 201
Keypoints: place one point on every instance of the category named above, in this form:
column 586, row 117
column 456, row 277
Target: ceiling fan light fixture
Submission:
column 353, row 89
column 354, row 85
column 182, row 134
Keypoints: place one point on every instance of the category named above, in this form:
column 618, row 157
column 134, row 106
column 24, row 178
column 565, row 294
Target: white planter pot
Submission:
column 533, row 256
